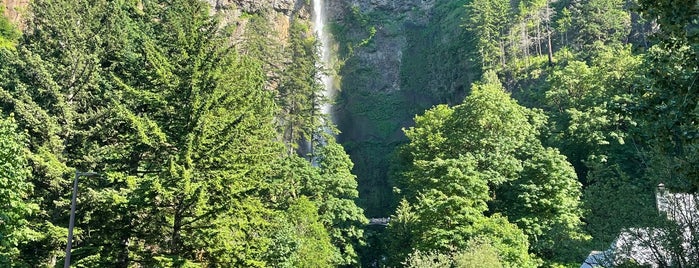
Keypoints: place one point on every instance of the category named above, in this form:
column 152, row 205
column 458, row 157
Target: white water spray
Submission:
column 319, row 22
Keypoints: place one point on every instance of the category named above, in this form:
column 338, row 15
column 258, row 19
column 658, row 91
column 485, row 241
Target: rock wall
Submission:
column 279, row 13
column 14, row 9
column 390, row 40
column 400, row 58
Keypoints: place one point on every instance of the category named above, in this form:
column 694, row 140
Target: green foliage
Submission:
column 600, row 21
column 592, row 104
column 620, row 117
column 8, row 32
column 44, row 102
column 335, row 192
column 262, row 42
column 677, row 21
column 184, row 145
column 489, row 242
column 616, row 201
column 440, row 57
column 489, row 144
column 357, row 30
column 15, row 188
column 668, row 109
column 492, row 127
column 545, row 202
column 197, row 187
column 666, row 137
column 488, row 21
column 300, row 93
column 479, row 254
column 508, row 241
column 181, row 125
column 332, row 189
column 435, row 67
column 418, row 259
column 314, row 248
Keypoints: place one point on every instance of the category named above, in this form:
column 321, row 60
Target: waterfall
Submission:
column 319, row 22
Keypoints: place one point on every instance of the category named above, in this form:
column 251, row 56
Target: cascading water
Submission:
column 319, row 21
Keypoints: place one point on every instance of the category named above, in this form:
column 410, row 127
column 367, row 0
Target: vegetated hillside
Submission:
column 193, row 123
column 559, row 118
column 398, row 59
column 600, row 73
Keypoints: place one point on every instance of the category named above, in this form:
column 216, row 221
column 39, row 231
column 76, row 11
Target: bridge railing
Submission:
column 379, row 221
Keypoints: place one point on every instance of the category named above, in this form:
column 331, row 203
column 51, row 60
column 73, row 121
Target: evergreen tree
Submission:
column 183, row 144
column 336, row 193
column 15, row 188
column 203, row 137
column 599, row 21
column 489, row 20
column 300, row 93
column 47, row 84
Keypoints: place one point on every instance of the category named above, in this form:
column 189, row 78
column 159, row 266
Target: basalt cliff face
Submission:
column 398, row 59
column 384, row 51
column 278, row 13
column 14, row 10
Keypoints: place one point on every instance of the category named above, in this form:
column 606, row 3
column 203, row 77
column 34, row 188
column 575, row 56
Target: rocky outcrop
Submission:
column 14, row 10
column 286, row 7
column 389, row 41
column 278, row 13
column 253, row 6
column 398, row 61
column 399, row 8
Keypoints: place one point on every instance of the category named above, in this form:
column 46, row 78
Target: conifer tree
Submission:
column 336, row 192
column 300, row 93
column 15, row 206
column 203, row 129
column 488, row 21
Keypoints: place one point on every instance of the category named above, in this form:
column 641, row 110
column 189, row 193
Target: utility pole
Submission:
column 71, row 225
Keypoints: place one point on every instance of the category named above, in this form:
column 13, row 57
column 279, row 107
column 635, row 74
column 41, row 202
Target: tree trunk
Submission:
column 550, row 48
column 176, row 229
column 123, row 257
column 538, row 36
column 502, row 53
column 525, row 42
column 548, row 32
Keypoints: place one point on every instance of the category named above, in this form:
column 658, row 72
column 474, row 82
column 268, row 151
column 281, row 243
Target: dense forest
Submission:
column 540, row 132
